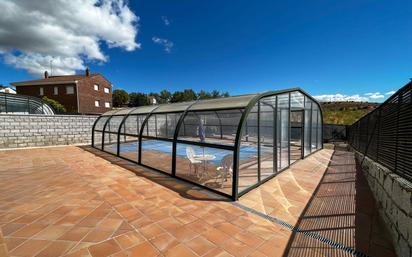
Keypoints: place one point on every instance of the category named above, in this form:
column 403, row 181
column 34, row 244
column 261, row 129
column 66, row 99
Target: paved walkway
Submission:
column 71, row 201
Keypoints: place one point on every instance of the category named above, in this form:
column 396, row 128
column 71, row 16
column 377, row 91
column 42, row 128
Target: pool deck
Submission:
column 77, row 201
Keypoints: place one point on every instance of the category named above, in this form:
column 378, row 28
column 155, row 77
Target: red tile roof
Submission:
column 54, row 79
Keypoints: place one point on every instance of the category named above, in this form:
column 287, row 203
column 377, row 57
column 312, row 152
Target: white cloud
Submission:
column 341, row 98
column 69, row 32
column 390, row 92
column 376, row 95
column 166, row 21
column 167, row 44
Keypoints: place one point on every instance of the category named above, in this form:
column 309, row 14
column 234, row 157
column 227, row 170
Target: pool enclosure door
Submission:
column 296, row 135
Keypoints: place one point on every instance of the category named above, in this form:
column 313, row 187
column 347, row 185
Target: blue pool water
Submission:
column 166, row 147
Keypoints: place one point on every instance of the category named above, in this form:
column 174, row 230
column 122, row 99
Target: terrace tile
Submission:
column 201, row 245
column 104, row 249
column 29, row 248
column 56, row 248
column 164, row 242
column 82, row 202
column 144, row 249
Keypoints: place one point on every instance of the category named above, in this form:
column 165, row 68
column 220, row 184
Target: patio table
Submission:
column 205, row 158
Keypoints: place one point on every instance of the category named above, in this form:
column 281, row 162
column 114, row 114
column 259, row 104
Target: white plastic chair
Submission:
column 190, row 153
column 225, row 168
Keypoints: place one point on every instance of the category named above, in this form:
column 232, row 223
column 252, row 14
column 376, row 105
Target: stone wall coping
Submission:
column 56, row 115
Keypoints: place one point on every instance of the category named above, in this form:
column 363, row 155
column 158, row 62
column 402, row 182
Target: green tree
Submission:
column 138, row 99
column 204, row 95
column 215, row 94
column 156, row 96
column 58, row 107
column 165, row 96
column 120, row 98
column 189, row 95
column 177, row 97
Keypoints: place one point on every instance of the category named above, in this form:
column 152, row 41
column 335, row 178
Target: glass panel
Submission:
column 144, row 109
column 307, row 126
column 114, row 123
column 162, row 125
column 248, row 152
column 216, row 127
column 296, row 100
column 129, row 147
column 314, row 136
column 267, row 130
column 157, row 154
column 129, row 140
column 110, row 143
column 296, row 133
column 283, row 131
column 97, row 134
column 223, row 103
column 210, row 167
column 111, row 112
column 320, row 136
column 2, row 103
column 133, row 124
column 100, row 123
column 175, row 107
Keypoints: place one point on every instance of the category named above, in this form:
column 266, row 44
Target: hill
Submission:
column 345, row 113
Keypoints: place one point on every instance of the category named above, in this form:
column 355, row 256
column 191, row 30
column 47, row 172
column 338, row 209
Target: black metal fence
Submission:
column 334, row 133
column 385, row 134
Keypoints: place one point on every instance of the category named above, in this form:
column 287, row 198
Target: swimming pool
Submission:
column 166, row 147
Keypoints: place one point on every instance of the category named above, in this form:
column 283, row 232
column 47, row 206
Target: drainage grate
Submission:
column 313, row 235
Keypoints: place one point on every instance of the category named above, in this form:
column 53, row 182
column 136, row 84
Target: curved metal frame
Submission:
column 29, row 99
column 245, row 111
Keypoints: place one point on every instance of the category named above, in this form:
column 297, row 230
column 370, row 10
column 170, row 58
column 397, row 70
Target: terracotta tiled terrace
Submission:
column 75, row 201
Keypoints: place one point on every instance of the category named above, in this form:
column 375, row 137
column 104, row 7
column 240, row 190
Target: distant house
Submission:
column 7, row 90
column 86, row 94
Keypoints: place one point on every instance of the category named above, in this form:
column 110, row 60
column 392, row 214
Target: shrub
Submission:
column 58, row 107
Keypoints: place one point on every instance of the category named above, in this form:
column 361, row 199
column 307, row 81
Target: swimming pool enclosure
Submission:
column 24, row 104
column 227, row 145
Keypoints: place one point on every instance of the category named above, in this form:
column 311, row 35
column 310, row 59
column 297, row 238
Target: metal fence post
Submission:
column 397, row 128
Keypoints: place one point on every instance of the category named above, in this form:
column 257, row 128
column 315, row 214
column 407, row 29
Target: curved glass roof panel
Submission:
column 232, row 102
column 175, row 107
column 123, row 111
column 112, row 112
column 143, row 109
column 223, row 103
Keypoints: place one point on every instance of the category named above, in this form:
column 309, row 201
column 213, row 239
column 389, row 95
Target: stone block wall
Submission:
column 394, row 197
column 18, row 131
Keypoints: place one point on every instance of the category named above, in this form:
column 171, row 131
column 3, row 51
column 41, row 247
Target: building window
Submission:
column 106, row 90
column 56, row 90
column 97, row 103
column 69, row 90
column 107, row 104
column 41, row 91
column 96, row 87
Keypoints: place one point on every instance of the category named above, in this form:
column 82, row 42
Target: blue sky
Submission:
column 324, row 47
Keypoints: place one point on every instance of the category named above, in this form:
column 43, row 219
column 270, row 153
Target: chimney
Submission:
column 87, row 71
column 46, row 74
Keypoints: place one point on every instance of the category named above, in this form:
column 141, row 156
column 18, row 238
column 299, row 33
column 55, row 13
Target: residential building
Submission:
column 85, row 94
column 7, row 90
